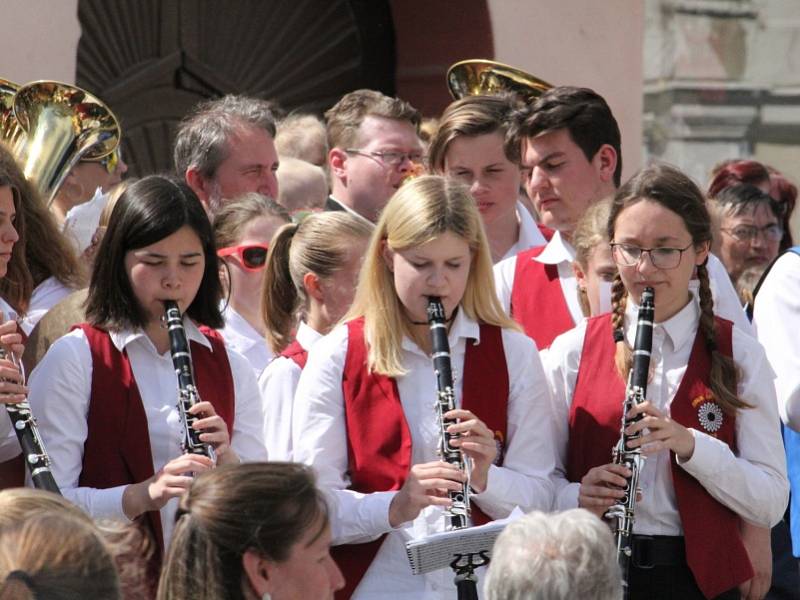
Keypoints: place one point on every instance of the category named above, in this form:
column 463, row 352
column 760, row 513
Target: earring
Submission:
column 266, row 596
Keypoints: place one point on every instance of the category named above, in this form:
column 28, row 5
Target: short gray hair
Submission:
column 202, row 139
column 554, row 557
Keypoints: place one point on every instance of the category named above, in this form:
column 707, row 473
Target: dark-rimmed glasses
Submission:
column 252, row 256
column 627, row 255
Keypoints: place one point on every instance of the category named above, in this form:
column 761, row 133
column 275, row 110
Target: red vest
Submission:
column 297, row 353
column 537, row 300
column 117, row 448
column 714, row 550
column 379, row 454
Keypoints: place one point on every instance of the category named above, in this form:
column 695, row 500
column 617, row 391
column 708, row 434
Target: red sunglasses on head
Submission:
column 252, row 256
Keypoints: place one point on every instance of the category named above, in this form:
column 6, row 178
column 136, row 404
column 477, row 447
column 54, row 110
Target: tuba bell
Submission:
column 11, row 134
column 62, row 124
column 487, row 78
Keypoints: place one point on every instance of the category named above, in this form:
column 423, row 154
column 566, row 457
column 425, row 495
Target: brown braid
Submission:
column 623, row 359
column 724, row 373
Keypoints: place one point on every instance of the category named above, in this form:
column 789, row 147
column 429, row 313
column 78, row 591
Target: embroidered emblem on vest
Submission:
column 709, row 413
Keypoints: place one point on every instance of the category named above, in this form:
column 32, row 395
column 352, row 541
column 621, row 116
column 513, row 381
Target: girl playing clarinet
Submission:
column 365, row 413
column 709, row 425
column 105, row 394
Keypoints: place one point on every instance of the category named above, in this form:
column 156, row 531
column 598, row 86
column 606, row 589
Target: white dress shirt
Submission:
column 776, row 314
column 278, row 384
column 244, row 339
column 560, row 252
column 60, row 390
column 529, row 234
column 751, row 481
column 320, row 439
column 45, row 296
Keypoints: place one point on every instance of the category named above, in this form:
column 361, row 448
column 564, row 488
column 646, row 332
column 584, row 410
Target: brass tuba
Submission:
column 62, row 124
column 486, row 78
column 11, row 134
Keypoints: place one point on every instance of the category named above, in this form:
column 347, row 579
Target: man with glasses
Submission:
column 374, row 146
column 750, row 228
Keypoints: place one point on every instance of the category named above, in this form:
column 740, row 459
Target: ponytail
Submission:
column 280, row 296
column 724, row 374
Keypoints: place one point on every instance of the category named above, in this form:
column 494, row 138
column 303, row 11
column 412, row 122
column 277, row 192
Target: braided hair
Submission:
column 672, row 189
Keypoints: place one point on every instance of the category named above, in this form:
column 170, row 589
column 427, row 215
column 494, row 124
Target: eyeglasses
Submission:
column 747, row 233
column 627, row 255
column 252, row 256
column 392, row 159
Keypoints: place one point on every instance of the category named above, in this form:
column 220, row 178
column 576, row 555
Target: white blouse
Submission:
column 60, row 390
column 776, row 314
column 45, row 296
column 278, row 384
column 244, row 339
column 320, row 439
column 751, row 481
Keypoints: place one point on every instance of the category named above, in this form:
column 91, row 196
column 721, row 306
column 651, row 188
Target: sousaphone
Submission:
column 487, row 78
column 62, row 124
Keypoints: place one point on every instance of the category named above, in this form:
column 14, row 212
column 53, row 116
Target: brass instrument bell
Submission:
column 11, row 134
column 487, row 78
column 63, row 124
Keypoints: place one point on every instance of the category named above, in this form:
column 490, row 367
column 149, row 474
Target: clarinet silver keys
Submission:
column 632, row 458
column 35, row 456
column 458, row 513
column 188, row 395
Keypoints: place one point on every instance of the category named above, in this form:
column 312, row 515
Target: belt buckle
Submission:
column 643, row 552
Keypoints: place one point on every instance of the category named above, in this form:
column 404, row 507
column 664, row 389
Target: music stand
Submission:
column 463, row 550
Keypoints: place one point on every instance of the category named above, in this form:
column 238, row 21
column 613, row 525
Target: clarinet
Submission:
column 36, row 459
column 632, row 458
column 458, row 512
column 187, row 391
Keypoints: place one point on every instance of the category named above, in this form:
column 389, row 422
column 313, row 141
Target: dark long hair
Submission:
column 148, row 211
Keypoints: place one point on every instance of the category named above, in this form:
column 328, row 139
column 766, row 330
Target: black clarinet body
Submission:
column 33, row 453
column 632, row 458
column 457, row 515
column 188, row 395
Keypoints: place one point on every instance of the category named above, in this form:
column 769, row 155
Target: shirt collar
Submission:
column 307, row 336
column 236, row 326
column 556, row 251
column 462, row 327
column 122, row 338
column 680, row 328
column 352, row 212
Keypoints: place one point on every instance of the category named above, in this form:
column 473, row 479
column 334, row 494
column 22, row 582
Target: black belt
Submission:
column 658, row 551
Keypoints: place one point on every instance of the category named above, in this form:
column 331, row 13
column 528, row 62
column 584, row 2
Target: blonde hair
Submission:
column 128, row 547
column 319, row 245
column 345, row 117
column 420, row 211
column 55, row 556
column 590, row 232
